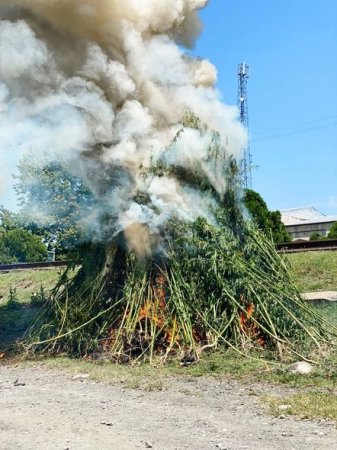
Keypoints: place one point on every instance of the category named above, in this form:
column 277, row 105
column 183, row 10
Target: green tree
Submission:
column 268, row 221
column 333, row 232
column 8, row 219
column 53, row 202
column 18, row 244
column 279, row 232
column 257, row 208
column 7, row 222
column 5, row 257
column 315, row 237
column 22, row 245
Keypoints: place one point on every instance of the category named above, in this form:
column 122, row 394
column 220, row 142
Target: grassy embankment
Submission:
column 315, row 394
column 20, row 294
column 314, row 271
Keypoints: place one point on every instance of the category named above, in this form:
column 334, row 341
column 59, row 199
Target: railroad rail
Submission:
column 37, row 265
column 307, row 246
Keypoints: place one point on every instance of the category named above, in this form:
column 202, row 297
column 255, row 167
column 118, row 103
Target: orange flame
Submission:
column 154, row 309
column 248, row 326
column 151, row 310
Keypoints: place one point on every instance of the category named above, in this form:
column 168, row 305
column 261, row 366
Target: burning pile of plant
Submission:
column 218, row 285
column 169, row 263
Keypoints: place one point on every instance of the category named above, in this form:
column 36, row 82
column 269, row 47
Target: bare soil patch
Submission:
column 42, row 408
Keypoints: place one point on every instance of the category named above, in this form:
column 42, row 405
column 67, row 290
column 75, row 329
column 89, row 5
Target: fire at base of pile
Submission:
column 216, row 286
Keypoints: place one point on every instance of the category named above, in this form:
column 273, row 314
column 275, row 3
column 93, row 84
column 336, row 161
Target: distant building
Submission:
column 301, row 223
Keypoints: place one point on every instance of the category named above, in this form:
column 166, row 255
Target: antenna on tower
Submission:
column 246, row 162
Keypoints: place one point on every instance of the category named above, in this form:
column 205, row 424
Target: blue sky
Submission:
column 291, row 47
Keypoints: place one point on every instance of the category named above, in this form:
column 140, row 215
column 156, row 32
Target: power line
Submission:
column 295, row 125
column 294, row 132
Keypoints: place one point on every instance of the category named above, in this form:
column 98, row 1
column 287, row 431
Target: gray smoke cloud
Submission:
column 107, row 84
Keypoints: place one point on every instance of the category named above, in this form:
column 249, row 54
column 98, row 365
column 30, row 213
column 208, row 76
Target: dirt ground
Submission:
column 44, row 409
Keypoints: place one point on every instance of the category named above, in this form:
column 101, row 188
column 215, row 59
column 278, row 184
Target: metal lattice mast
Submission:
column 246, row 163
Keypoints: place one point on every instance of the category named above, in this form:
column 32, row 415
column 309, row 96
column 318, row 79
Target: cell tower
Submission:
column 246, row 162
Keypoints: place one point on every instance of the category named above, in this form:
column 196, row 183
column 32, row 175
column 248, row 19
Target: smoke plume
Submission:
column 107, row 84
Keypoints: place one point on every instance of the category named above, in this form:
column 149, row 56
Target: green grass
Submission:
column 314, row 271
column 255, row 368
column 25, row 282
column 307, row 405
column 16, row 310
column 328, row 312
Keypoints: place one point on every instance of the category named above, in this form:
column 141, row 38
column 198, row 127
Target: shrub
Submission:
column 21, row 245
column 333, row 231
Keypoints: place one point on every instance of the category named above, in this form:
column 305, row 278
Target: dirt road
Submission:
column 45, row 409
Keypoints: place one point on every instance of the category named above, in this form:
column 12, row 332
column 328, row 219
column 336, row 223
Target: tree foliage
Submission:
column 16, row 243
column 8, row 219
column 53, row 201
column 7, row 222
column 333, row 232
column 23, row 246
column 315, row 237
column 267, row 221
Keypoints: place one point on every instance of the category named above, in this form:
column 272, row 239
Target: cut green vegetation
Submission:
column 22, row 286
column 218, row 287
column 314, row 271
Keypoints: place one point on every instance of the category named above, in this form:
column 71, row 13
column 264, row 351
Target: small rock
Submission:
column 319, row 433
column 284, row 407
column 108, row 424
column 80, row 376
column 148, row 444
column 300, row 367
column 17, row 383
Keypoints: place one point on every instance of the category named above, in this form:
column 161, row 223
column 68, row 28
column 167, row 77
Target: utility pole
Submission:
column 246, row 162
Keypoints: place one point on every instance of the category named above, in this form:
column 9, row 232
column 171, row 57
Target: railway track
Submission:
column 307, row 246
column 37, row 265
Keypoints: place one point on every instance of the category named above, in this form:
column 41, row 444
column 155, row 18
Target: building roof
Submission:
column 296, row 215
column 323, row 219
column 305, row 215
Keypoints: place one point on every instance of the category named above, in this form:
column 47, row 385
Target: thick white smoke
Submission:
column 106, row 84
